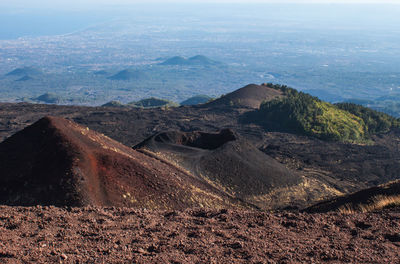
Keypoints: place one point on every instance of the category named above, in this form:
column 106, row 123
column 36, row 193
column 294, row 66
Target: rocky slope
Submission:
column 58, row 162
column 250, row 96
column 371, row 199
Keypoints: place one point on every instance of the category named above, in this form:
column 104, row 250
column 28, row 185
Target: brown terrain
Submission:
column 58, row 162
column 123, row 235
column 250, row 96
column 186, row 185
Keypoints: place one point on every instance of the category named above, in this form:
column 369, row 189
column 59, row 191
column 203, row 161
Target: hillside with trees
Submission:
column 302, row 113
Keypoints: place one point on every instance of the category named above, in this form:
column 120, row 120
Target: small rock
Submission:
column 393, row 237
column 141, row 250
column 236, row 245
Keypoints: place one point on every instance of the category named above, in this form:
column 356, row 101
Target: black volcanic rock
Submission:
column 223, row 158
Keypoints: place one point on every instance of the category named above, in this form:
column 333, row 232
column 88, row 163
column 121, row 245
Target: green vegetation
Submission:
column 302, row 113
column 376, row 122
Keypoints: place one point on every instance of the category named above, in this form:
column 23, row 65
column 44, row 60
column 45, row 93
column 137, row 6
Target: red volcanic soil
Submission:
column 250, row 96
column 123, row 235
column 58, row 162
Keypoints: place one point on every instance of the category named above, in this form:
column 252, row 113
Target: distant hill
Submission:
column 324, row 95
column 389, row 104
column 113, row 104
column 48, row 98
column 198, row 60
column 392, row 97
column 100, row 72
column 145, row 103
column 250, row 96
column 375, row 122
column 128, row 75
column 195, row 100
column 359, row 101
column 202, row 60
column 25, row 71
column 371, row 199
column 24, row 78
column 177, row 60
column 298, row 112
column 58, row 162
column 152, row 102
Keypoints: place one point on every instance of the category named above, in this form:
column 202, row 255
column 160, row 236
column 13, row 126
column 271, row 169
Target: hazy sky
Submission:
column 96, row 5
column 55, row 3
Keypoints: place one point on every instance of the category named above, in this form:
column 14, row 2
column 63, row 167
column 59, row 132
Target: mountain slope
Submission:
column 375, row 198
column 177, row 60
column 58, row 162
column 113, row 103
column 301, row 113
column 197, row 99
column 226, row 160
column 127, row 75
column 48, row 98
column 24, row 71
column 250, row 96
column 24, row 78
column 152, row 102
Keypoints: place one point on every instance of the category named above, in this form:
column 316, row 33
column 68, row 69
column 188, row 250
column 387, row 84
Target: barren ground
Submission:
column 120, row 235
